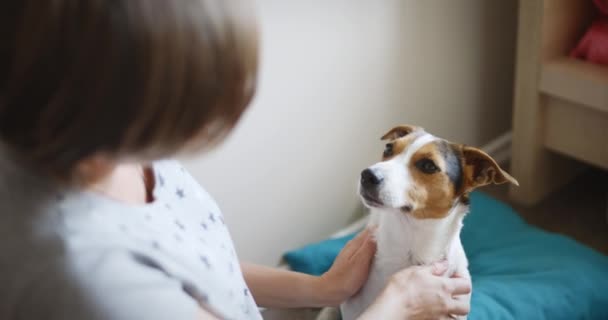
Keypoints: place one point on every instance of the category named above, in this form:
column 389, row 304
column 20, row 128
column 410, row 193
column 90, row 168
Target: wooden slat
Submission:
column 576, row 81
column 539, row 171
column 577, row 131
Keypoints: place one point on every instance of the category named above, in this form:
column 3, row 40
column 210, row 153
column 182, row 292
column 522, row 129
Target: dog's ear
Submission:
column 399, row 131
column 479, row 169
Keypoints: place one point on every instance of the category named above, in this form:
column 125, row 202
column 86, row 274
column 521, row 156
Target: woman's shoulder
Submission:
column 172, row 176
column 173, row 172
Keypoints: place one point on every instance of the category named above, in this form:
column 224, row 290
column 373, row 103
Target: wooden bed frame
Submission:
column 560, row 115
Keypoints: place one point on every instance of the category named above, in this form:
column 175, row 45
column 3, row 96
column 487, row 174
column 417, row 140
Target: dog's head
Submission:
column 423, row 175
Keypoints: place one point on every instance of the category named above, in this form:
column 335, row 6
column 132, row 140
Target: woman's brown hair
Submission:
column 137, row 78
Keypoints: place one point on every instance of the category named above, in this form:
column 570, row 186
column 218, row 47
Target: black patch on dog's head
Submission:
column 453, row 166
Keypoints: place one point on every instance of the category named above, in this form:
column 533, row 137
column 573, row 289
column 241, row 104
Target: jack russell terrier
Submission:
column 418, row 197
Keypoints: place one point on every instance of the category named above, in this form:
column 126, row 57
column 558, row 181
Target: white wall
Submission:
column 335, row 75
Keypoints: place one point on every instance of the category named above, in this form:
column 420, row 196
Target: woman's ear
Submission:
column 399, row 131
column 479, row 169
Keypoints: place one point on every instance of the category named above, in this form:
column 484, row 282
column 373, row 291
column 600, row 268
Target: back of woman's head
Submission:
column 122, row 78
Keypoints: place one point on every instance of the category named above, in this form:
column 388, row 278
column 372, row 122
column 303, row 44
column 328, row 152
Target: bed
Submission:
column 518, row 271
column 560, row 110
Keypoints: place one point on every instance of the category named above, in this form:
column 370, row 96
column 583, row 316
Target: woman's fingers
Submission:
column 458, row 307
column 362, row 239
column 367, row 249
column 459, row 286
column 353, row 244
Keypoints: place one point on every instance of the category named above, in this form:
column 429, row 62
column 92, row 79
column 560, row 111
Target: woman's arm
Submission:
column 206, row 315
column 287, row 289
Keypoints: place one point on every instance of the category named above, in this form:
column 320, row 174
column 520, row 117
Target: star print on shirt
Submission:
column 205, row 261
column 155, row 245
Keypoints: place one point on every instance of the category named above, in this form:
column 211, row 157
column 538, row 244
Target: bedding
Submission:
column 518, row 271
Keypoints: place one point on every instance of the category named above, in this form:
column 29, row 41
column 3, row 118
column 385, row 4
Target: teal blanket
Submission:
column 518, row 271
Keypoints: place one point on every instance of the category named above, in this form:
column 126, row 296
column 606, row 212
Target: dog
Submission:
column 417, row 197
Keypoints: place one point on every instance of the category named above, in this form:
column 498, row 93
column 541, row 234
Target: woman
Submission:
column 94, row 224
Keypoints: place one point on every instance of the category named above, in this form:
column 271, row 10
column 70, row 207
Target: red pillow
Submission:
column 602, row 5
column 593, row 47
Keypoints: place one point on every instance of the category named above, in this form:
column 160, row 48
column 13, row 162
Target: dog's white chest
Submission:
column 403, row 242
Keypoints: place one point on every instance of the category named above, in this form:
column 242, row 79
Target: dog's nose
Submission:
column 370, row 179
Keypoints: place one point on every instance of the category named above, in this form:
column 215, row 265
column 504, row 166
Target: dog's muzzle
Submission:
column 370, row 182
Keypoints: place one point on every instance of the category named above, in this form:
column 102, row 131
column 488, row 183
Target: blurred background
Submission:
column 335, row 75
column 525, row 80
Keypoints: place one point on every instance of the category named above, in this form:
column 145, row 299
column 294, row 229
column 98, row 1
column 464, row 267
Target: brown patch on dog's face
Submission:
column 433, row 192
column 442, row 172
column 400, row 131
column 427, row 189
column 399, row 138
column 425, row 176
column 397, row 146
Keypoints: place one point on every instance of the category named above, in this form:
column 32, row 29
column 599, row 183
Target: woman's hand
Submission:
column 421, row 293
column 287, row 289
column 350, row 269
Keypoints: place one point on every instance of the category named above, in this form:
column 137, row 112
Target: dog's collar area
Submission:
column 458, row 201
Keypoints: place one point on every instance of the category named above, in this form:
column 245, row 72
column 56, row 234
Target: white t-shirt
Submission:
column 67, row 254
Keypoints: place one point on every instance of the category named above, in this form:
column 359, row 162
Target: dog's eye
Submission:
column 427, row 166
column 388, row 150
